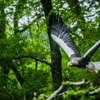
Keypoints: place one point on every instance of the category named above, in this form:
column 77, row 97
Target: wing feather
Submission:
column 92, row 50
column 60, row 34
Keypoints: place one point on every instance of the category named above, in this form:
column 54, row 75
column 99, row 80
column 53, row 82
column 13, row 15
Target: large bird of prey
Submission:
column 59, row 33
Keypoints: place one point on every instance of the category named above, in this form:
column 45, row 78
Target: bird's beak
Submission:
column 69, row 64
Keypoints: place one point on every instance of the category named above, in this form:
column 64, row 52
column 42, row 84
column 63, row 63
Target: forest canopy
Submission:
column 31, row 63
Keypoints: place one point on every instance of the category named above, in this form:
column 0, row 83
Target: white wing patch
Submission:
column 64, row 46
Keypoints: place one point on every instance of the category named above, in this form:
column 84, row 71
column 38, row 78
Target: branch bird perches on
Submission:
column 59, row 33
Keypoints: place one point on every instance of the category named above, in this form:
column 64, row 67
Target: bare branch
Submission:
column 95, row 91
column 33, row 58
column 63, row 93
column 56, row 92
column 79, row 92
column 83, row 82
column 9, row 93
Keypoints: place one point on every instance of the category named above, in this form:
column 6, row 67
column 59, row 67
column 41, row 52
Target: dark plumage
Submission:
column 59, row 33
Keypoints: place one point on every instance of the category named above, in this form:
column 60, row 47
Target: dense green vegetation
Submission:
column 27, row 62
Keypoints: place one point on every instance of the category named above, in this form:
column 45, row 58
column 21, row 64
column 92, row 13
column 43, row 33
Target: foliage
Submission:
column 25, row 55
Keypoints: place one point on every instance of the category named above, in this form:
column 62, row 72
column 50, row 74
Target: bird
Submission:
column 60, row 34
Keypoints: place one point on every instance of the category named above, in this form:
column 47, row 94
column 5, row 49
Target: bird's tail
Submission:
column 95, row 66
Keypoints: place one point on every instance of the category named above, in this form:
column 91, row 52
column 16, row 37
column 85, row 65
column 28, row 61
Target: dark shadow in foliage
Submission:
column 95, row 78
column 35, row 81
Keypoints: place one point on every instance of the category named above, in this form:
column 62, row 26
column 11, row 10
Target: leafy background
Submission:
column 25, row 54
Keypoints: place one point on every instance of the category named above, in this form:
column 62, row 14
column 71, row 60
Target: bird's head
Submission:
column 73, row 63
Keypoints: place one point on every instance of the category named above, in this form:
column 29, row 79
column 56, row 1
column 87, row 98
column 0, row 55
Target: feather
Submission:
column 61, row 43
column 60, row 34
column 92, row 50
column 97, row 65
column 93, row 67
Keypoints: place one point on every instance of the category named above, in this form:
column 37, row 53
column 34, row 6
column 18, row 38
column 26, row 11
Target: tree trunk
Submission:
column 19, row 11
column 5, row 69
column 75, row 8
column 55, row 55
column 74, row 5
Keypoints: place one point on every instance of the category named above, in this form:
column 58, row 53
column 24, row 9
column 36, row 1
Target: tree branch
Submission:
column 18, row 75
column 33, row 58
column 80, row 91
column 16, row 17
column 95, row 91
column 9, row 93
column 40, row 61
column 28, row 26
column 83, row 82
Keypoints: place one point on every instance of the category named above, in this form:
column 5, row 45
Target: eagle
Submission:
column 60, row 34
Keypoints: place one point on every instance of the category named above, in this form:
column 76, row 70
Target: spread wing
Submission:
column 59, row 33
column 92, row 50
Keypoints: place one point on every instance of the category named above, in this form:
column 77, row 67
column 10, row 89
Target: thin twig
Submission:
column 9, row 93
